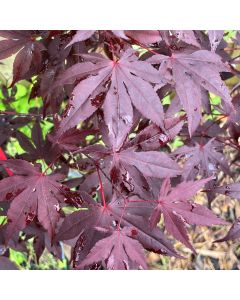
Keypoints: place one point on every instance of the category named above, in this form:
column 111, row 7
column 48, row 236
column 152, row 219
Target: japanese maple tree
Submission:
column 138, row 122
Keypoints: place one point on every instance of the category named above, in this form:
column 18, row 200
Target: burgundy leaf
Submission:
column 83, row 224
column 15, row 40
column 215, row 37
column 81, row 35
column 176, row 208
column 231, row 190
column 6, row 264
column 144, row 36
column 233, row 233
column 32, row 195
column 202, row 159
column 121, row 130
column 190, row 73
column 151, row 163
column 187, row 36
column 117, row 249
column 129, row 79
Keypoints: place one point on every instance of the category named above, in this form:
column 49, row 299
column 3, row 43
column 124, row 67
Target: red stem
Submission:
column 101, row 189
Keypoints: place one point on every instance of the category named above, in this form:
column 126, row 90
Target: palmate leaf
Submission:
column 41, row 240
column 174, row 205
column 202, row 159
column 84, row 224
column 150, row 163
column 233, row 233
column 81, row 35
column 27, row 48
column 130, row 84
column 142, row 36
column 13, row 42
column 113, row 101
column 39, row 148
column 32, row 194
column 138, row 158
column 36, row 147
column 231, row 190
column 130, row 169
column 191, row 73
column 117, row 249
column 187, row 36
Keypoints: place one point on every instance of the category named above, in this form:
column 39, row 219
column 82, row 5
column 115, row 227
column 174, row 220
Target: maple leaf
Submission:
column 7, row 264
column 144, row 36
column 81, row 35
column 117, row 250
column 83, row 224
column 150, row 163
column 233, row 233
column 177, row 210
column 202, row 159
column 29, row 51
column 152, row 239
column 231, row 190
column 189, row 74
column 33, row 194
column 15, row 242
column 70, row 139
column 41, row 241
column 15, row 40
column 39, row 148
column 135, row 161
column 215, row 37
column 8, row 124
column 130, row 83
column 36, row 147
column 129, row 101
column 187, row 36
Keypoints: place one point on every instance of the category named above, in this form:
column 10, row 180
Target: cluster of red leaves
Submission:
column 111, row 86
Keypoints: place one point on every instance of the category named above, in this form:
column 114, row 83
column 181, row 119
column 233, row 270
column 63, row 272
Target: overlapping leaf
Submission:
column 202, row 159
column 33, row 194
column 231, row 190
column 117, row 250
column 190, row 73
column 29, row 51
column 120, row 132
column 125, row 82
column 84, row 224
column 139, row 158
column 177, row 210
column 233, row 233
